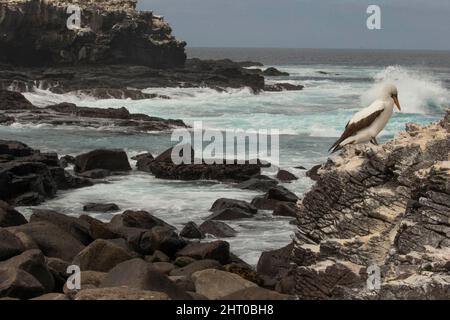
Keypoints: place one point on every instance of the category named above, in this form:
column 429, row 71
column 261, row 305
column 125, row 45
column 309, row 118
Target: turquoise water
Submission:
column 309, row 121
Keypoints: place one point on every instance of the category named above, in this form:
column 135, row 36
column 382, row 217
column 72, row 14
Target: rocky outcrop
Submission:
column 15, row 108
column 28, row 176
column 384, row 208
column 36, row 33
column 163, row 167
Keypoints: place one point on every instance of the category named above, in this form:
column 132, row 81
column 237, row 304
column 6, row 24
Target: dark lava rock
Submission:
column 112, row 160
column 143, row 161
column 10, row 245
column 192, row 231
column 224, row 203
column 33, row 262
column 259, row 183
column 196, row 266
column 66, row 160
column 281, row 194
column 101, row 207
column 98, row 229
column 10, row 100
column 218, row 229
column 137, row 219
column 286, row 176
column 77, row 228
column 275, row 263
column 278, row 87
column 287, row 209
column 101, row 255
column 10, row 217
column 217, row 250
column 164, row 168
column 114, row 32
column 138, row 274
column 52, row 240
column 164, row 239
column 273, row 72
column 230, row 214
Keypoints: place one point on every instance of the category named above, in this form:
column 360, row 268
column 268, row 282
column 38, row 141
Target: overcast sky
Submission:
column 406, row 24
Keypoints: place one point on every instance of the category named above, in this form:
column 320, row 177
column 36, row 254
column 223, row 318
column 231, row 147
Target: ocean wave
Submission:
column 419, row 92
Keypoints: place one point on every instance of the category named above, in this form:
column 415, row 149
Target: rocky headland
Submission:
column 116, row 53
column 374, row 210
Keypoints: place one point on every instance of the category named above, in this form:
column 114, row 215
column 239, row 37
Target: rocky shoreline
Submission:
column 374, row 208
column 385, row 206
column 15, row 108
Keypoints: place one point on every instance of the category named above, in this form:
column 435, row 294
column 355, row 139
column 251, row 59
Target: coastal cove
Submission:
column 309, row 121
column 136, row 167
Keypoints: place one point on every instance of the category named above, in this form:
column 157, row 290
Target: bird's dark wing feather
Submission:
column 352, row 129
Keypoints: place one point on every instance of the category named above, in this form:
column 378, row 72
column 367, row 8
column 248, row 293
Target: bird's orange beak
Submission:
column 397, row 103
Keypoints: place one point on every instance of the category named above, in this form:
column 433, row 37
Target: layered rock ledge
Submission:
column 385, row 207
column 15, row 108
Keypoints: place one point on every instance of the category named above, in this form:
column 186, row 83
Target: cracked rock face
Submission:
column 35, row 33
column 383, row 205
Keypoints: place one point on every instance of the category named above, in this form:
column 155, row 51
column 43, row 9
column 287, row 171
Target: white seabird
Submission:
column 368, row 123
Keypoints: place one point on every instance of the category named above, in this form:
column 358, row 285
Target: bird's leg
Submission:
column 374, row 141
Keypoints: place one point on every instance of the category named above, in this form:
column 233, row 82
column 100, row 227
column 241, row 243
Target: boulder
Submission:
column 58, row 268
column 77, row 228
column 10, row 245
column 260, row 183
column 183, row 261
column 215, row 284
column 163, row 267
column 11, row 100
column 112, row 160
column 158, row 256
column 164, row 239
column 101, row 255
column 281, row 194
column 51, row 240
column 195, row 266
column 230, row 214
column 66, row 160
column 138, row 274
column 137, row 219
column 218, row 229
column 101, row 207
column 286, row 176
column 10, row 217
column 192, row 231
column 143, row 162
column 98, row 229
column 120, row 293
column 274, row 263
column 223, row 203
column 33, row 262
column 287, row 209
column 217, row 250
column 16, row 283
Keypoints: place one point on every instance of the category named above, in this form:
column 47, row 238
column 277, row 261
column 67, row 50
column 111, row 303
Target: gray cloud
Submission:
column 407, row 24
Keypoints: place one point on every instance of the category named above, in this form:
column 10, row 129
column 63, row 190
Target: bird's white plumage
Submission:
column 372, row 131
column 379, row 112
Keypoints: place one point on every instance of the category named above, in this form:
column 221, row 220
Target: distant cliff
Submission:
column 35, row 33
